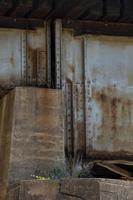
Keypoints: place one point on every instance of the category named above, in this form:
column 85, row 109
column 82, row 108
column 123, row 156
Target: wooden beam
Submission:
column 99, row 28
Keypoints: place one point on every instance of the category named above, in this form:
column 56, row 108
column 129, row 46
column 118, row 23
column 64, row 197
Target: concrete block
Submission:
column 96, row 189
column 35, row 190
column 31, row 133
column 37, row 138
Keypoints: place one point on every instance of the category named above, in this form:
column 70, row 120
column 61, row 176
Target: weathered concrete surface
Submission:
column 73, row 189
column 37, row 141
column 96, row 189
column 67, row 197
column 80, row 188
column 34, row 190
column 6, row 106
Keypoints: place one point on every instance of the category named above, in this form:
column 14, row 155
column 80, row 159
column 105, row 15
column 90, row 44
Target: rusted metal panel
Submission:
column 102, row 65
column 72, row 57
column 78, row 118
column 37, row 57
column 72, row 77
column 69, row 123
column 23, row 58
column 112, row 92
column 10, row 57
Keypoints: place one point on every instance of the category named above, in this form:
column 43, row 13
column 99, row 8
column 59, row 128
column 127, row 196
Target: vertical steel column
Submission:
column 78, row 118
column 48, row 44
column 24, row 58
column 69, row 119
column 58, row 38
column 43, row 67
column 88, row 98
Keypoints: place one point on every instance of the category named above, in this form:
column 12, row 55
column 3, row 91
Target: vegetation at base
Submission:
column 54, row 174
column 57, row 174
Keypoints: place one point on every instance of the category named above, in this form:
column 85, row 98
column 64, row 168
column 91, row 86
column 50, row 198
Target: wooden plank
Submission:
column 117, row 170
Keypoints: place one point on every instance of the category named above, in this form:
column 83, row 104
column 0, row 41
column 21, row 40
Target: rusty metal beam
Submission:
column 21, row 23
column 20, row 8
column 41, row 8
column 95, row 11
column 5, row 5
column 79, row 8
column 127, row 10
column 99, row 28
column 112, row 10
column 62, row 8
column 104, row 155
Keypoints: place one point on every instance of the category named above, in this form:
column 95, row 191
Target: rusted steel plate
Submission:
column 72, row 78
column 23, row 58
column 72, row 57
column 104, row 65
column 111, row 83
column 37, row 57
column 10, row 57
column 78, row 118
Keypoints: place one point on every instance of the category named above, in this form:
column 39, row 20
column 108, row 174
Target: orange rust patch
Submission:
column 116, row 128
